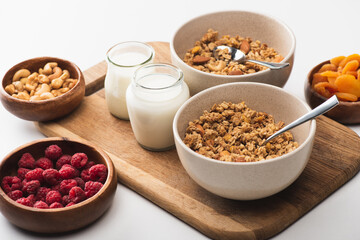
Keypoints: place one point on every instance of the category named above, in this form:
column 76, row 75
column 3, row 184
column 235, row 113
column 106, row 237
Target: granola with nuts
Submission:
column 235, row 133
column 202, row 58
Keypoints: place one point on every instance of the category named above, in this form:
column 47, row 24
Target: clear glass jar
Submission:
column 155, row 94
column 123, row 59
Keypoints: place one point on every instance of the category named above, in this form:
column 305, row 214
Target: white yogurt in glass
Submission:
column 123, row 59
column 156, row 93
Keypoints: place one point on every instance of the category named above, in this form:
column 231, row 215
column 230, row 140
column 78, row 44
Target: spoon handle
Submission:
column 321, row 109
column 269, row 64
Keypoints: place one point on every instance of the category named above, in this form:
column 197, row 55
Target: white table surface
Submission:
column 82, row 31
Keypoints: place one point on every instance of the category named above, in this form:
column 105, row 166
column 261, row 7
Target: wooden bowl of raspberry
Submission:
column 56, row 185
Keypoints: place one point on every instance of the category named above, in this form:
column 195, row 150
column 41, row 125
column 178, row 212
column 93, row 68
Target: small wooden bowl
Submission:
column 44, row 110
column 60, row 219
column 345, row 112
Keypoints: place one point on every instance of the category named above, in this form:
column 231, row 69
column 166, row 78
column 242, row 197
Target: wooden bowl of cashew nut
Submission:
column 42, row 89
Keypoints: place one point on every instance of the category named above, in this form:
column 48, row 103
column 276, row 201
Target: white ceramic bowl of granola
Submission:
column 246, row 180
column 266, row 29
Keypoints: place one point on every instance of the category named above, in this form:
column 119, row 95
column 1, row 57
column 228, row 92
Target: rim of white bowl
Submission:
column 190, row 100
column 286, row 58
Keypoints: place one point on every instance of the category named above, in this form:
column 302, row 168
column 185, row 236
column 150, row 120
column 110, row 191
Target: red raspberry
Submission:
column 91, row 188
column 70, row 204
column 15, row 195
column 56, row 205
column 64, row 159
column 51, row 176
column 79, row 160
column 41, row 193
column 98, row 173
column 40, row 204
column 53, row 196
column 76, row 195
column 31, row 187
column 56, row 187
column 67, row 171
column 44, row 163
column 22, row 172
column 24, row 201
column 32, row 199
column 53, row 152
column 11, row 183
column 35, row 174
column 89, row 164
column 65, row 200
column 85, row 175
column 26, row 161
column 80, row 182
column 66, row 185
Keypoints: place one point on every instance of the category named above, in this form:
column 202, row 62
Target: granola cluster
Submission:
column 202, row 58
column 235, row 133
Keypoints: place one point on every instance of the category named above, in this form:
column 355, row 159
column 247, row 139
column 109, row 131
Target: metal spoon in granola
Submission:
column 238, row 56
column 319, row 110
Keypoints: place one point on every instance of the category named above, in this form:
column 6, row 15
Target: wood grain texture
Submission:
column 160, row 177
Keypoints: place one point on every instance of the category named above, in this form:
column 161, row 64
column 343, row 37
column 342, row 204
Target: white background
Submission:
column 82, row 32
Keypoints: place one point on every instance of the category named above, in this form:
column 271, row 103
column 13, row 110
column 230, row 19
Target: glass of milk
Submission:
column 123, row 59
column 155, row 94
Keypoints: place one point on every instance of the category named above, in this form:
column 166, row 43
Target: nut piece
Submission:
column 10, row 89
column 46, row 95
column 57, row 73
column 22, row 73
column 43, row 88
column 23, row 95
column 19, row 87
column 43, row 79
column 236, row 72
column 48, row 68
column 200, row 59
column 57, row 83
column 217, row 66
column 245, row 46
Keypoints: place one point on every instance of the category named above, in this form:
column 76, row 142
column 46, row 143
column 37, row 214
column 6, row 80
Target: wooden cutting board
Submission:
column 160, row 177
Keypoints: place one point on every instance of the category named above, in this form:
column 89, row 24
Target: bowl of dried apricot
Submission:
column 42, row 89
column 220, row 134
column 56, row 185
column 259, row 36
column 338, row 76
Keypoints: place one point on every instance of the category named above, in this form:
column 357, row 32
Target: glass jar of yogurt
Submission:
column 155, row 94
column 123, row 59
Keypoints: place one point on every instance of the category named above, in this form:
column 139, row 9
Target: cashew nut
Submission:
column 20, row 74
column 56, row 73
column 69, row 83
column 23, row 95
column 43, row 88
column 37, row 85
column 57, row 83
column 10, row 89
column 23, row 80
column 65, row 75
column 35, row 97
column 30, row 87
column 217, row 67
column 43, row 79
column 33, row 76
column 63, row 90
column 48, row 68
column 59, row 92
column 46, row 95
column 19, row 87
